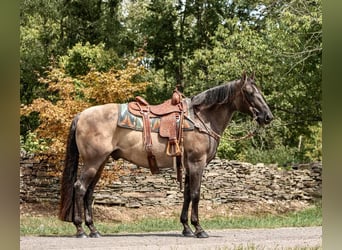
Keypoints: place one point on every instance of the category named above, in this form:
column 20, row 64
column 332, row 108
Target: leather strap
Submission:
column 174, row 148
column 148, row 139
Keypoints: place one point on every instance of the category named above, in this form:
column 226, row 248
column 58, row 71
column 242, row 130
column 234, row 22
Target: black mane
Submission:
column 217, row 95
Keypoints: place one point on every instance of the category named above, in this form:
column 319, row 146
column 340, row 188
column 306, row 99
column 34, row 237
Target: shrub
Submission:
column 32, row 144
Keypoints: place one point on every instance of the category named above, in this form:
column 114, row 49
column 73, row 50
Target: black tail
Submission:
column 69, row 175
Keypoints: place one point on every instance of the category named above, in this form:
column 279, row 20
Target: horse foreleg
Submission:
column 80, row 191
column 184, row 216
column 195, row 188
column 199, row 233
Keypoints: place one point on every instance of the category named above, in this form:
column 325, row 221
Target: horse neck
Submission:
column 217, row 116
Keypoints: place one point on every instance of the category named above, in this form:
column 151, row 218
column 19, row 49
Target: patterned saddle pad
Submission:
column 128, row 120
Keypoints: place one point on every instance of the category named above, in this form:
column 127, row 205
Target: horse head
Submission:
column 252, row 101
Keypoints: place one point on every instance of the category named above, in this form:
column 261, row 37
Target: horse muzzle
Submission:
column 264, row 118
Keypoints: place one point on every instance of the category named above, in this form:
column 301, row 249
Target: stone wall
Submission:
column 223, row 181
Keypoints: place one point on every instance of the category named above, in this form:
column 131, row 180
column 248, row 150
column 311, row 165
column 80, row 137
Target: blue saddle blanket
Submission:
column 128, row 120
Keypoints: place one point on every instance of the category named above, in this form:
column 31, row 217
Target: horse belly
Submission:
column 131, row 148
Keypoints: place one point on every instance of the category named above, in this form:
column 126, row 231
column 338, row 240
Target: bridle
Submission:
column 252, row 108
column 246, row 98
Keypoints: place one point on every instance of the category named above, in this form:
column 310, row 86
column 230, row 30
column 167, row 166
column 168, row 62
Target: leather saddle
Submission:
column 173, row 105
column 171, row 114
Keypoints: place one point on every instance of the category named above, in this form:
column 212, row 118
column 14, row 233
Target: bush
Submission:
column 269, row 144
column 32, row 144
column 281, row 155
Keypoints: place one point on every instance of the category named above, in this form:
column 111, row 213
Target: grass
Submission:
column 307, row 217
column 52, row 226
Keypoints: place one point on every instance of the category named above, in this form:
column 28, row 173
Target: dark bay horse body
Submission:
column 95, row 136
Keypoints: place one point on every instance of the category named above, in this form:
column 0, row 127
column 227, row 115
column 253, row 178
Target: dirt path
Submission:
column 280, row 238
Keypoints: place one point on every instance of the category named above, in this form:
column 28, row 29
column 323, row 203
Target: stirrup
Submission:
column 176, row 149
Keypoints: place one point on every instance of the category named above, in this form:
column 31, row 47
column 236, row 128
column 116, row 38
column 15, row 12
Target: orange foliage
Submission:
column 55, row 117
column 100, row 87
column 114, row 85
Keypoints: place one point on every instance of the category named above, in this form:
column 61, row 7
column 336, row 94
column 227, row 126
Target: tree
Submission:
column 82, row 58
column 39, row 43
column 93, row 21
column 299, row 44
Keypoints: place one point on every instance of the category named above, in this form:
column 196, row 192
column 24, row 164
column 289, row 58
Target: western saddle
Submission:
column 171, row 114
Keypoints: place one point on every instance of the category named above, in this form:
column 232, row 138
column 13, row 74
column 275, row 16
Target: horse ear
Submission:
column 244, row 76
column 252, row 75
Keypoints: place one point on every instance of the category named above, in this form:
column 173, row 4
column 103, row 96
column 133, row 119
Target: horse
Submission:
column 94, row 136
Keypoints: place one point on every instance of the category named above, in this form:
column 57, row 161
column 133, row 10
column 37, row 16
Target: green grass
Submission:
column 308, row 217
column 52, row 226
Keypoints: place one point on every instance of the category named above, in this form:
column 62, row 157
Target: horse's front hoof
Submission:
column 188, row 233
column 202, row 234
column 81, row 235
column 95, row 235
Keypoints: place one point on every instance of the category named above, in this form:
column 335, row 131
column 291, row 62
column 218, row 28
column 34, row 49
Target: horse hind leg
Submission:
column 84, row 188
column 88, row 200
column 80, row 191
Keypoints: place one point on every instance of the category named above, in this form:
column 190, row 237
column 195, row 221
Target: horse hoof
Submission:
column 202, row 235
column 188, row 233
column 95, row 235
column 81, row 235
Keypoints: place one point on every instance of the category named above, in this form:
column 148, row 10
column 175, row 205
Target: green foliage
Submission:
column 233, row 140
column 38, row 38
column 310, row 146
column 280, row 154
column 161, row 89
column 90, row 21
column 29, row 123
column 80, row 59
column 227, row 150
column 32, row 143
column 267, row 145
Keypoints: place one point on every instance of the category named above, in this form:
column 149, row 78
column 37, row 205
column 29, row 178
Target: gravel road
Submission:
column 280, row 238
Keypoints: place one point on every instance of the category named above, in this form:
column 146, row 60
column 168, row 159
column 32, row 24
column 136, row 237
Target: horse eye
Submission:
column 249, row 91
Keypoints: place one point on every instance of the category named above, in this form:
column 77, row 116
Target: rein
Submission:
column 254, row 112
column 216, row 136
column 207, row 129
column 247, row 136
column 251, row 133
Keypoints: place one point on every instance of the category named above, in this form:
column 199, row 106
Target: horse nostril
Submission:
column 268, row 117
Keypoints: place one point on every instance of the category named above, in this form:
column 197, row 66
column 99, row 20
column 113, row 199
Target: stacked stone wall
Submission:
column 223, row 182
